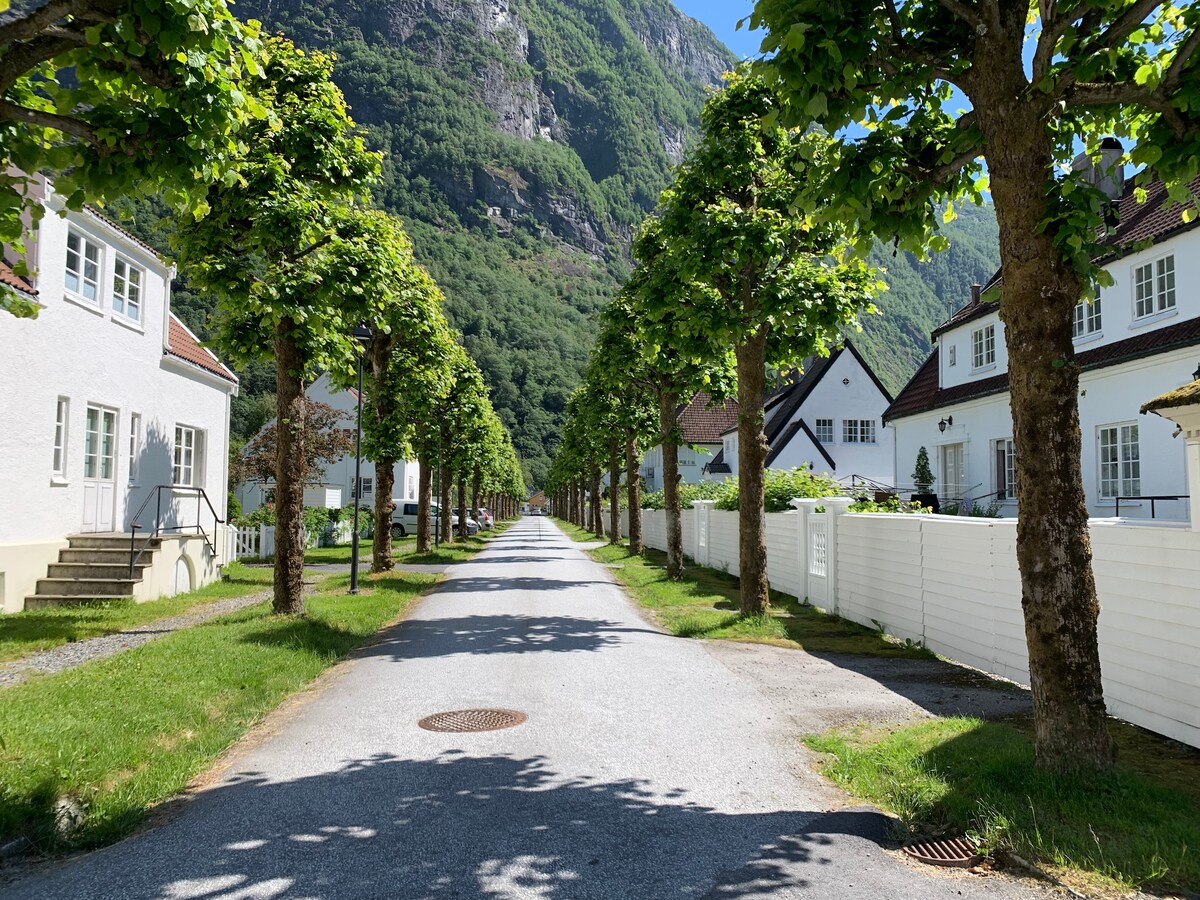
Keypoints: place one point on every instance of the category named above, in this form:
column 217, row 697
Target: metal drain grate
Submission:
column 958, row 851
column 464, row 720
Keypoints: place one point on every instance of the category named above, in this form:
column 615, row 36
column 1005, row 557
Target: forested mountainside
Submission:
column 523, row 140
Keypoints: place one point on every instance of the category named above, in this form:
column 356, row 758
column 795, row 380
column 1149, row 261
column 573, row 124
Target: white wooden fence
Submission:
column 952, row 584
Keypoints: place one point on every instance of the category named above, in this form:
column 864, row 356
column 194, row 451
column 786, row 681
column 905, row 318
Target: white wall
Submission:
column 1107, row 396
column 691, row 464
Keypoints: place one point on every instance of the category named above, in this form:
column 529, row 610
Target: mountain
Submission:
column 523, row 140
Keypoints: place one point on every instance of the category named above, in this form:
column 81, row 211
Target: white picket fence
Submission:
column 952, row 584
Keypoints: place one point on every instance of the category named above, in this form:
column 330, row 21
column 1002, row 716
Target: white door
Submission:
column 99, row 469
column 954, row 471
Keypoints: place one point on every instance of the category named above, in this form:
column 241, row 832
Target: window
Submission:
column 1154, row 287
column 365, row 486
column 1120, row 461
column 100, row 444
column 188, row 468
column 824, row 431
column 135, row 445
column 412, row 486
column 1086, row 319
column 83, row 267
column 1006, row 471
column 127, row 290
column 60, row 436
column 953, row 355
column 983, row 344
column 858, row 431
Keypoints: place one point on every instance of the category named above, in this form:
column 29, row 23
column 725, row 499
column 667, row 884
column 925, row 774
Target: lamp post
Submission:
column 362, row 334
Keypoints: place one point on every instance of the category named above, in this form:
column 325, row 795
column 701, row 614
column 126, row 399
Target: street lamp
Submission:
column 362, row 334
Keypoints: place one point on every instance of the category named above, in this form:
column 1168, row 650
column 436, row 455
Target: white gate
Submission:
column 818, row 559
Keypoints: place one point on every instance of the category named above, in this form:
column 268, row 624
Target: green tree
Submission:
column 280, row 250
column 769, row 287
column 120, row 97
column 922, row 475
column 326, row 440
column 1099, row 68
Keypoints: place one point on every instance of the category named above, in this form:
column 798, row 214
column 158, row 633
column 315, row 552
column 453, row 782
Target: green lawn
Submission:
column 1138, row 827
column 705, row 605
column 40, row 629
column 404, row 550
column 121, row 734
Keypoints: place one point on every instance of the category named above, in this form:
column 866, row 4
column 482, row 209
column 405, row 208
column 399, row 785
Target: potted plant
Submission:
column 923, row 480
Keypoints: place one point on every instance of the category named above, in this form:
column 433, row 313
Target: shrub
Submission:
column 891, row 505
column 781, row 487
column 705, row 490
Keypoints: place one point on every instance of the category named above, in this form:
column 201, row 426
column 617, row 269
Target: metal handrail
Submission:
column 1151, row 498
column 134, row 527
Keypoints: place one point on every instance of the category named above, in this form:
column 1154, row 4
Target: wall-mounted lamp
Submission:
column 949, row 420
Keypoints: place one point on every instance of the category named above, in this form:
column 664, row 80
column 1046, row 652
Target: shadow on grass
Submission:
column 307, row 635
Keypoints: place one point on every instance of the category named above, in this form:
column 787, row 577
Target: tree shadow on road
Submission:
column 457, row 826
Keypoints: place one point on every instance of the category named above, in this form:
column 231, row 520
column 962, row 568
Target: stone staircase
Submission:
column 93, row 567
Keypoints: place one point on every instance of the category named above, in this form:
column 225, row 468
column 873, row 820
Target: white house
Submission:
column 113, row 414
column 829, row 418
column 335, row 487
column 700, row 422
column 1138, row 340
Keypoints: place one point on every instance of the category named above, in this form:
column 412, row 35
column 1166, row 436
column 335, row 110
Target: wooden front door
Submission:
column 99, row 469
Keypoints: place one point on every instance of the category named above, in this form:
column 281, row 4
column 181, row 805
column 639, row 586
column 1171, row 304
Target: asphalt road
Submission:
column 648, row 768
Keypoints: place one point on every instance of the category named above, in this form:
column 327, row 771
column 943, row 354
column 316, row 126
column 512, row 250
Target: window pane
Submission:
column 1166, row 283
column 91, row 443
column 1143, row 290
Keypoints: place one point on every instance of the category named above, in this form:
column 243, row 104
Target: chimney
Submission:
column 1108, row 174
column 975, row 289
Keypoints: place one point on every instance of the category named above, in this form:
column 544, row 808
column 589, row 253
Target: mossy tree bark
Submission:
column 597, row 514
column 634, row 500
column 289, row 480
column 381, row 546
column 424, row 502
column 752, row 457
column 614, row 490
column 667, row 402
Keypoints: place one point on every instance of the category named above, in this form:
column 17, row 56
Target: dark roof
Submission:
column 182, row 344
column 792, row 430
column 718, row 466
column 1153, row 220
column 704, row 424
column 15, row 281
column 922, row 393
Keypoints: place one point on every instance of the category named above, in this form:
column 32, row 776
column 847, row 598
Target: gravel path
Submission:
column 649, row 767
column 68, row 656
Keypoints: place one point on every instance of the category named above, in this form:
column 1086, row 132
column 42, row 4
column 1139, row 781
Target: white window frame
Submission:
column 983, row 347
column 79, row 292
column 365, row 487
column 1087, row 319
column 1155, row 288
column 135, row 445
column 412, row 487
column 1006, row 471
column 953, row 355
column 858, row 431
column 187, row 462
column 121, row 301
column 62, row 423
column 849, row 431
column 823, row 430
column 1118, row 460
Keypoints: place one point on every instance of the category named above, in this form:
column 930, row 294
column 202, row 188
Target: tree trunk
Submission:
column 667, row 401
column 424, row 502
column 634, row 489
column 462, row 505
column 475, row 477
column 444, row 511
column 289, row 474
column 614, row 490
column 381, row 546
column 752, row 457
column 1040, row 290
column 597, row 503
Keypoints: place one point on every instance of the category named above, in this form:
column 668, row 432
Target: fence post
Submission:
column 703, row 538
column 804, row 509
column 835, row 508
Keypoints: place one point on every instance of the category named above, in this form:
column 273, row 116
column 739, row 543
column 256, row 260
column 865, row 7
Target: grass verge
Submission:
column 1137, row 827
column 41, row 629
column 118, row 735
column 705, row 604
column 405, row 551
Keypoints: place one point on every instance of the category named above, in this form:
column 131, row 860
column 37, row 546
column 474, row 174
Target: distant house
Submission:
column 829, row 418
column 334, row 487
column 701, row 422
column 114, row 413
column 1140, row 338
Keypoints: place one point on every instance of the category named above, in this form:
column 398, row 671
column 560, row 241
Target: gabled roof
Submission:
column 704, row 424
column 786, row 438
column 15, row 281
column 1137, row 223
column 922, row 393
column 182, row 344
column 718, row 466
column 92, row 211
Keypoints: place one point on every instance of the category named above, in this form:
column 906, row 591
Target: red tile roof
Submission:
column 703, row 424
column 115, row 227
column 13, row 280
column 922, row 393
column 182, row 344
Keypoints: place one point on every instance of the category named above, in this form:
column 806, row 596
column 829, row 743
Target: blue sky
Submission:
column 722, row 17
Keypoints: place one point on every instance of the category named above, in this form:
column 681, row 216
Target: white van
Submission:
column 404, row 517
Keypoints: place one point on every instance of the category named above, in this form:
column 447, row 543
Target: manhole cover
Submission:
column 958, row 851
column 461, row 720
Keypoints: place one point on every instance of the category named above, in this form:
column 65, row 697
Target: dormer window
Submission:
column 983, row 347
column 1086, row 319
column 127, row 290
column 953, row 355
column 1154, row 287
column 82, row 276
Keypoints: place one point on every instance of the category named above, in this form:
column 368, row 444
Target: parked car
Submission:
column 472, row 525
column 484, row 517
column 404, row 517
